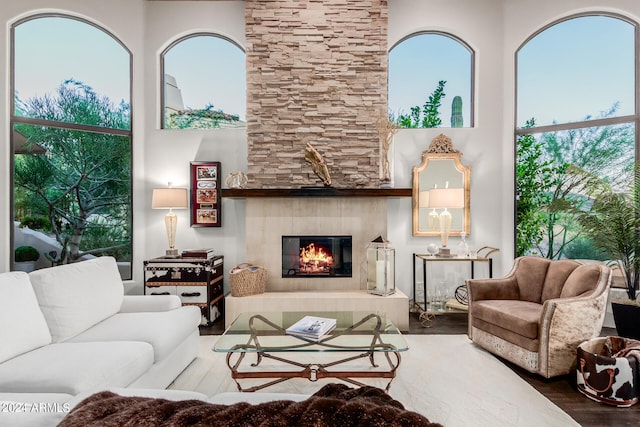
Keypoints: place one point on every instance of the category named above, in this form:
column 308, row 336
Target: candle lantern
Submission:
column 381, row 261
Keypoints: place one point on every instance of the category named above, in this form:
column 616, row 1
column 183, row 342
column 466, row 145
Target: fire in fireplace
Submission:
column 316, row 256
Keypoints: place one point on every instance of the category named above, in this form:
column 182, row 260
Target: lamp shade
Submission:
column 423, row 201
column 170, row 198
column 441, row 198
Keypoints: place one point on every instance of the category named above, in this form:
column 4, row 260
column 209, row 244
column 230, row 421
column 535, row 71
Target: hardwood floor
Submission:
column 561, row 390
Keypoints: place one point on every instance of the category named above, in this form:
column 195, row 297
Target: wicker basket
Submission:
column 247, row 279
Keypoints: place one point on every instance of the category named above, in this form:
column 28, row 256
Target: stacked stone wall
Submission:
column 316, row 73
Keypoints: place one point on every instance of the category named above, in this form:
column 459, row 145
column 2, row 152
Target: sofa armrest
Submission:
column 502, row 288
column 142, row 303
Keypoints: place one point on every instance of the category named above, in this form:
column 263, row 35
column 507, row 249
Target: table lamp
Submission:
column 170, row 198
column 423, row 202
column 445, row 198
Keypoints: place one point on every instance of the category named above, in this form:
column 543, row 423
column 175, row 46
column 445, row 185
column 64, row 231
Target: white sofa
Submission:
column 69, row 330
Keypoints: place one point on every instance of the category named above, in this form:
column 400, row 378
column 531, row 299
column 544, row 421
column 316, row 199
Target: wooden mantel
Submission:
column 316, row 192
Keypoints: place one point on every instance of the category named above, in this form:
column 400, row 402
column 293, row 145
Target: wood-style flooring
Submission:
column 561, row 390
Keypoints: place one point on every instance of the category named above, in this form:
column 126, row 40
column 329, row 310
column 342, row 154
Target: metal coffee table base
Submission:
column 312, row 371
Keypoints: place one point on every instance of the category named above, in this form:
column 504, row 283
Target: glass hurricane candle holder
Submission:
column 381, row 260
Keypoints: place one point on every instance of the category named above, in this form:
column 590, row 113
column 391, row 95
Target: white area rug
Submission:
column 444, row 377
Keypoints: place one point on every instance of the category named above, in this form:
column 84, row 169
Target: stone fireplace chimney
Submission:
column 316, row 73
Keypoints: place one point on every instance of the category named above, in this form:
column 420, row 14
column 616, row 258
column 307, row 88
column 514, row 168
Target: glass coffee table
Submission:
column 358, row 336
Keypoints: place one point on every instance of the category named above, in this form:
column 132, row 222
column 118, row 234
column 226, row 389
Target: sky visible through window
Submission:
column 576, row 68
column 418, row 63
column 591, row 61
column 209, row 70
column 51, row 50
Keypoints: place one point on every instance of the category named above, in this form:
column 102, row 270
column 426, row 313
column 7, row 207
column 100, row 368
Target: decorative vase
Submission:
column 386, row 163
column 236, row 180
column 463, row 248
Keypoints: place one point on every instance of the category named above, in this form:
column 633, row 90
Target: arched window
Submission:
column 431, row 81
column 71, row 138
column 203, row 83
column 576, row 117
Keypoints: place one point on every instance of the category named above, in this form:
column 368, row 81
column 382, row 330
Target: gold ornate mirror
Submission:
column 441, row 183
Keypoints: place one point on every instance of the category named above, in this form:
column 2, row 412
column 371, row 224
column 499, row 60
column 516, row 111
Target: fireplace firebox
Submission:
column 316, row 256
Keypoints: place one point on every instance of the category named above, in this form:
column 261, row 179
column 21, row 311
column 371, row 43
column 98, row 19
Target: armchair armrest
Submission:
column 142, row 303
column 502, row 288
column 564, row 324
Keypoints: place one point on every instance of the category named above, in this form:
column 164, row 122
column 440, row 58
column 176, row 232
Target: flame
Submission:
column 314, row 259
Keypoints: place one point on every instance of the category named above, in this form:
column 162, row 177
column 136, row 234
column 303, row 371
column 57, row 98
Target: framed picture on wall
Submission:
column 205, row 194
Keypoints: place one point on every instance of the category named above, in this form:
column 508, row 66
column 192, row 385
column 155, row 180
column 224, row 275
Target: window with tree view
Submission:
column 203, row 83
column 430, row 82
column 575, row 132
column 71, row 138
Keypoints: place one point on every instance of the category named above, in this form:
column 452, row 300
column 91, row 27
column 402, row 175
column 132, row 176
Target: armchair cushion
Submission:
column 530, row 275
column 490, row 289
column 581, row 281
column 557, row 275
column 520, row 317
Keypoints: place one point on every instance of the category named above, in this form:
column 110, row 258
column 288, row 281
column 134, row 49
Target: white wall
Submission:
column 168, row 152
column 481, row 146
column 493, row 28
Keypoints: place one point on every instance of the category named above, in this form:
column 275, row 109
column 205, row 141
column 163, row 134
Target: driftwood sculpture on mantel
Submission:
column 386, row 130
column 318, row 164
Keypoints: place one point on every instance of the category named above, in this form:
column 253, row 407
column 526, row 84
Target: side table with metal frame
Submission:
column 483, row 255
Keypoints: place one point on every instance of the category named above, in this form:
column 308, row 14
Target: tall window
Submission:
column 576, row 117
column 71, row 136
column 203, row 83
column 431, row 81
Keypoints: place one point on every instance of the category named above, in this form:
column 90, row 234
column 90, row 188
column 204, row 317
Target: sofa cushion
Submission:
column 75, row 367
column 22, row 324
column 520, row 317
column 582, row 280
column 164, row 330
column 74, row 297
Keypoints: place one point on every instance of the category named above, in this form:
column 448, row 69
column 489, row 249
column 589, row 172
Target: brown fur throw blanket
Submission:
column 332, row 405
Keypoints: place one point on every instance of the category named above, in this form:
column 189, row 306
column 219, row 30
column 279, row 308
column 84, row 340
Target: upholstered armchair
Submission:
column 538, row 314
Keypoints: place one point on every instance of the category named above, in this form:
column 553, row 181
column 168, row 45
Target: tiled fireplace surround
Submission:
column 316, row 73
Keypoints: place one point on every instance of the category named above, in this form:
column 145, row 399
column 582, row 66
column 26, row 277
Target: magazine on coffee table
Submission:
column 312, row 327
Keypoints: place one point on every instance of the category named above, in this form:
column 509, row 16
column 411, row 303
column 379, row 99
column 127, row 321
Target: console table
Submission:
column 484, row 256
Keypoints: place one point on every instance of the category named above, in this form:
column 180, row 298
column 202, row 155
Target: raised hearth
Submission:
column 395, row 306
